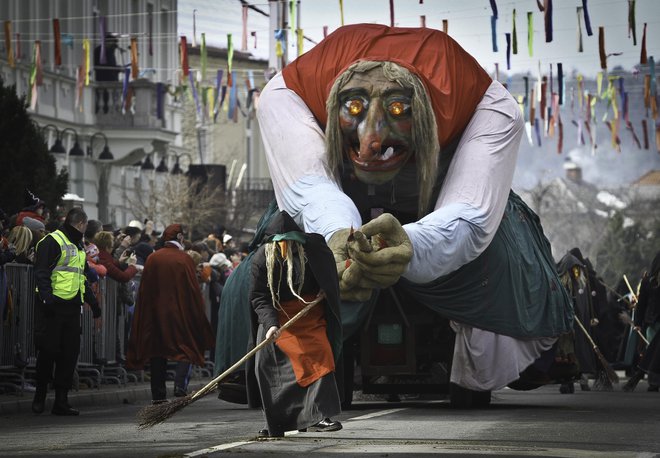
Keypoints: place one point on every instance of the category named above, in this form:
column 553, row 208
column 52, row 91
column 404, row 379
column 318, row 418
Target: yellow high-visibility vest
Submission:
column 68, row 276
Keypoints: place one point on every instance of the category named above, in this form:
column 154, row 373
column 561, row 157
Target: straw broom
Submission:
column 611, row 375
column 154, row 414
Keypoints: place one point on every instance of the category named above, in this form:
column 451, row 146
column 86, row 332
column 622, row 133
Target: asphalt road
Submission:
column 542, row 422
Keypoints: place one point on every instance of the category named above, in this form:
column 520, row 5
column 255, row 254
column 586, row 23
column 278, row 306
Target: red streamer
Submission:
column 58, row 42
column 183, row 50
column 645, row 133
column 601, row 47
column 642, row 58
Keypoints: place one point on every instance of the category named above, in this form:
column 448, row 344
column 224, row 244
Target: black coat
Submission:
column 320, row 264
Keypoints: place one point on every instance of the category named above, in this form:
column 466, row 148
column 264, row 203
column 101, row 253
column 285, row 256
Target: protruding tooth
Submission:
column 389, row 152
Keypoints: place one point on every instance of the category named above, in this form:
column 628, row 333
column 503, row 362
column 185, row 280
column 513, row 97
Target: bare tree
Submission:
column 176, row 198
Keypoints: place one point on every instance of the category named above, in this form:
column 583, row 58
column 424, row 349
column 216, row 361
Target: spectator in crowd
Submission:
column 21, row 238
column 120, row 270
column 34, row 209
column 37, row 228
column 127, row 239
column 61, row 291
column 170, row 320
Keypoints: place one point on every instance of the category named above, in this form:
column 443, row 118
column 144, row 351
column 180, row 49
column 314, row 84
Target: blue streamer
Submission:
column 493, row 5
column 218, row 89
column 493, row 30
column 560, row 82
column 587, row 21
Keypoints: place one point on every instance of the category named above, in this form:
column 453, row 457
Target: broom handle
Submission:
column 630, row 288
column 586, row 333
column 640, row 335
column 213, row 383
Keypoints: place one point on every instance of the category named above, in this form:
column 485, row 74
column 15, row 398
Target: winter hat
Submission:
column 171, row 232
column 226, row 238
column 135, row 223
column 33, row 224
column 32, row 202
column 219, row 260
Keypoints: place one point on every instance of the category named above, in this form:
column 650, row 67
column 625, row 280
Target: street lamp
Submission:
column 176, row 170
column 105, row 155
column 147, row 164
column 162, row 166
column 57, row 147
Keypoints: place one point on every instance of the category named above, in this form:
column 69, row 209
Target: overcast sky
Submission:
column 469, row 23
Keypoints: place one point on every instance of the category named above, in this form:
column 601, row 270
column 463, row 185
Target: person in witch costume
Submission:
column 170, row 321
column 293, row 379
column 648, row 320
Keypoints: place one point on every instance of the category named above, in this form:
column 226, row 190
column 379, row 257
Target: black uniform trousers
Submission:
column 57, row 338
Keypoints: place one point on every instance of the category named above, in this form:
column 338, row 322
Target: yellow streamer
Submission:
column 300, row 41
column 86, row 54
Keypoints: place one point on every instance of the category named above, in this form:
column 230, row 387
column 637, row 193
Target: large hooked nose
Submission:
column 371, row 132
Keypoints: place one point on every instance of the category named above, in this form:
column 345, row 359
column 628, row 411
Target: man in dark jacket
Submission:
column 59, row 269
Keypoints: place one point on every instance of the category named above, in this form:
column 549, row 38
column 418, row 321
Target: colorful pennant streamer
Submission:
column 183, row 52
column 645, row 134
column 631, row 21
column 244, row 34
column 135, row 70
column 150, row 32
column 580, row 46
column 515, row 34
column 547, row 16
column 57, row 41
column 300, row 37
column 642, row 58
column 493, row 6
column 391, row 13
column 445, row 25
column 8, row 47
column 341, row 11
column 203, row 57
column 507, row 36
column 230, row 53
column 102, row 57
column 160, row 100
column 36, row 74
column 422, row 21
column 493, row 31
column 587, row 21
column 86, row 60
column 560, row 82
column 530, row 33
column 601, row 47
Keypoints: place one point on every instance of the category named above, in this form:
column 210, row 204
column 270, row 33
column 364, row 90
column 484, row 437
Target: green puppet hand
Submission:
column 349, row 273
column 391, row 251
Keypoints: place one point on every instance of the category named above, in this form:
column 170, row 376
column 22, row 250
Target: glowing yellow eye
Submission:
column 396, row 108
column 355, row 107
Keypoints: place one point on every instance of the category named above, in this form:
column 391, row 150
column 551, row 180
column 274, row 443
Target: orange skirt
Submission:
column 306, row 342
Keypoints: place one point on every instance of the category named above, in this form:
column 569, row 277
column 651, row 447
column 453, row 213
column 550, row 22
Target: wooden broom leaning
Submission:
column 611, row 375
column 154, row 414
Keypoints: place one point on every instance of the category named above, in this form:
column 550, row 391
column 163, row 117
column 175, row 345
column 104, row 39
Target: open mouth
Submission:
column 391, row 159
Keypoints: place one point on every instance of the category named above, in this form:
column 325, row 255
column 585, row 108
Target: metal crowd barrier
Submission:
column 98, row 349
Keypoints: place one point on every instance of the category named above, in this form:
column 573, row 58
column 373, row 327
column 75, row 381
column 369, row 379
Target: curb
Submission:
column 106, row 395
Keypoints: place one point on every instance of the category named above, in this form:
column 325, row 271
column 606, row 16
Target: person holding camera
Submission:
column 122, row 269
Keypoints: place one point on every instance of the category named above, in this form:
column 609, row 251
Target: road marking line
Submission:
column 217, row 448
column 377, row 414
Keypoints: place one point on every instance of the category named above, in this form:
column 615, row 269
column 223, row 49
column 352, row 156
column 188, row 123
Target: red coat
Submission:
column 454, row 80
column 114, row 271
column 170, row 319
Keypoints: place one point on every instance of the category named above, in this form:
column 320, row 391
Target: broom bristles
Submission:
column 611, row 375
column 155, row 414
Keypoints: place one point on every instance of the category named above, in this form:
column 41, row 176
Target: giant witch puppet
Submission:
column 399, row 132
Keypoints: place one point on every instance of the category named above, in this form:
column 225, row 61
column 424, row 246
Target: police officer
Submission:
column 59, row 271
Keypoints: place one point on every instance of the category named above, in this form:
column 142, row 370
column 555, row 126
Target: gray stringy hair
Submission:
column 295, row 284
column 424, row 129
